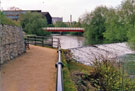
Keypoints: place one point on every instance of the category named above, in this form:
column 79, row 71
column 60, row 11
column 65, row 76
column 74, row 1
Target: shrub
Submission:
column 107, row 76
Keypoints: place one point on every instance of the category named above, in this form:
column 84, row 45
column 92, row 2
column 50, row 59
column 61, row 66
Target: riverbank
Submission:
column 80, row 77
column 73, row 72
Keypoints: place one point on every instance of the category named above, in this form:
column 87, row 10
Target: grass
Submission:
column 71, row 75
column 77, row 72
column 74, row 66
column 68, row 83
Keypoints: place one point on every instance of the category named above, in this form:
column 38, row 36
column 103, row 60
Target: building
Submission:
column 48, row 17
column 57, row 19
column 14, row 14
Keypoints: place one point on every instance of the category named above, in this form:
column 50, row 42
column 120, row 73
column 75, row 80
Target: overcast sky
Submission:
column 60, row 8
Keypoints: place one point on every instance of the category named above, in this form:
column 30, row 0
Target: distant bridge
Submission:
column 63, row 29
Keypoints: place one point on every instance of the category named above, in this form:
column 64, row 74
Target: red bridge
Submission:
column 63, row 29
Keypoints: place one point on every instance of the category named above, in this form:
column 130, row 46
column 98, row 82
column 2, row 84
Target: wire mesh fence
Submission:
column 127, row 67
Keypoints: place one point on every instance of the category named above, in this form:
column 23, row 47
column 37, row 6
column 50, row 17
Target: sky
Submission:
column 60, row 8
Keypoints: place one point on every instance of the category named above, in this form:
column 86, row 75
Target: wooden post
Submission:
column 35, row 40
column 52, row 41
column 42, row 41
column 28, row 40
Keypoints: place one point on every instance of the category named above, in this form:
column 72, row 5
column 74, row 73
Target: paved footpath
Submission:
column 34, row 71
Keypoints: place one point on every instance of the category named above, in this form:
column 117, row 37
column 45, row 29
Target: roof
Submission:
column 46, row 13
column 21, row 10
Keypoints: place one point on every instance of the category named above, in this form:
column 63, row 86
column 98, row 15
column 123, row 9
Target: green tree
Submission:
column 60, row 24
column 116, row 30
column 5, row 20
column 32, row 23
column 76, row 24
column 94, row 24
column 128, row 9
column 131, row 37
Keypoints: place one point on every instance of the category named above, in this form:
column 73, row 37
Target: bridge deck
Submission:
column 63, row 29
column 34, row 71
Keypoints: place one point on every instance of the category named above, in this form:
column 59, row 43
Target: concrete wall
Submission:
column 11, row 42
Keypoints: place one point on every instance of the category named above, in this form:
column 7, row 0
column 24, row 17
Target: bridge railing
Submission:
column 59, row 65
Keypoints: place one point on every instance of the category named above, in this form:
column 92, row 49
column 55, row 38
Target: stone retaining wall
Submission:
column 11, row 42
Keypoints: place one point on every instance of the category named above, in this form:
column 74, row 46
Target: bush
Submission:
column 107, row 76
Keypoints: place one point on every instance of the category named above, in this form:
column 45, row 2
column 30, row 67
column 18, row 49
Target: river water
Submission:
column 68, row 42
column 86, row 54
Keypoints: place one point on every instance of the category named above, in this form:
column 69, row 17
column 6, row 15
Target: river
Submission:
column 68, row 42
column 86, row 54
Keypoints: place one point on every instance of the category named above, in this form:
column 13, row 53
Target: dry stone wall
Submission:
column 11, row 42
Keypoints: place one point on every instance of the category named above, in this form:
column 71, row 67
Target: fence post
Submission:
column 28, row 40
column 42, row 41
column 35, row 40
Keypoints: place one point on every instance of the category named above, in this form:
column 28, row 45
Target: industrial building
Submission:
column 57, row 19
column 14, row 14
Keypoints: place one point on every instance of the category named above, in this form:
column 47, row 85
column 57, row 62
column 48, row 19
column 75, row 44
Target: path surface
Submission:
column 34, row 71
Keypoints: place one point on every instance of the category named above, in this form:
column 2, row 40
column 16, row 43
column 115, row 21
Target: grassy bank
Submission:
column 102, row 75
column 72, row 75
column 68, row 83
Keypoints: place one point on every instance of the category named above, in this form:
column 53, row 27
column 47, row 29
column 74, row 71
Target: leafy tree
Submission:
column 116, row 31
column 5, row 20
column 60, row 24
column 128, row 9
column 131, row 37
column 107, row 25
column 32, row 23
column 94, row 24
column 76, row 24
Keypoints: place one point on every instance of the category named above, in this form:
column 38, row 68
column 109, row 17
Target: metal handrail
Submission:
column 59, row 65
